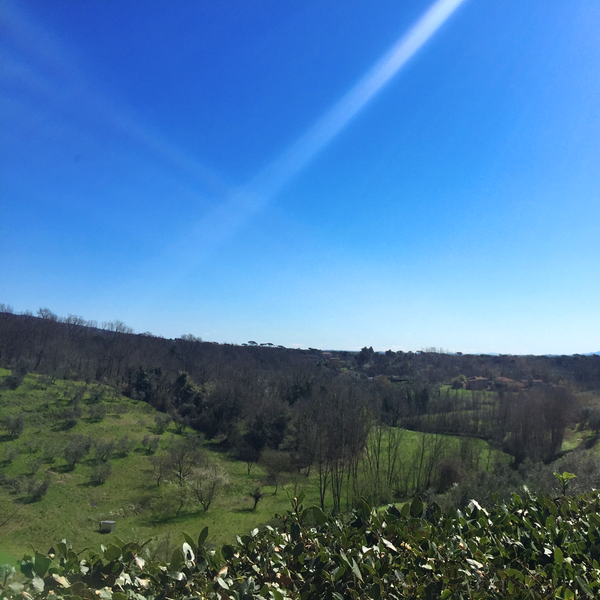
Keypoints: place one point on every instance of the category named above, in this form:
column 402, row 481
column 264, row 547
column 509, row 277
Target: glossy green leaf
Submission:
column 112, row 553
column 227, row 552
column 202, row 537
column 177, row 560
column 416, row 508
column 222, row 583
column 319, row 516
column 356, row 570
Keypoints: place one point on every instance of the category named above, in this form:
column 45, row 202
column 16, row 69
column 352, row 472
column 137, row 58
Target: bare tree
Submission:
column 184, row 455
column 160, row 467
column 431, row 449
column 275, row 464
column 206, row 483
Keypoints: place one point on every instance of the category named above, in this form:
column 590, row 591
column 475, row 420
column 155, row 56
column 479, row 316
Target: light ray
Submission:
column 281, row 171
column 49, row 69
column 222, row 222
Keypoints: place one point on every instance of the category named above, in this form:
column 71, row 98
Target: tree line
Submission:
column 298, row 414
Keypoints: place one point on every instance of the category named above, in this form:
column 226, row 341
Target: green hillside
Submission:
column 57, row 413
column 73, row 505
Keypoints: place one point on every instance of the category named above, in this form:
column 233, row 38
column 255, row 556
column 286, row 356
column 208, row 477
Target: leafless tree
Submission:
column 207, row 482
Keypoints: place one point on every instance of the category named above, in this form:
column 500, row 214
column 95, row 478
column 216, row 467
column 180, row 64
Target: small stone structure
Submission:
column 107, row 526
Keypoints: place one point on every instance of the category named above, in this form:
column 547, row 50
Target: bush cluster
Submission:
column 528, row 547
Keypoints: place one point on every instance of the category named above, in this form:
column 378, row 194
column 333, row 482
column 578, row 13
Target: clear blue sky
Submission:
column 306, row 173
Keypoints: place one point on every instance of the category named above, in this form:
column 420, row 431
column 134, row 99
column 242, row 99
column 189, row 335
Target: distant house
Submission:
column 478, row 383
column 335, row 362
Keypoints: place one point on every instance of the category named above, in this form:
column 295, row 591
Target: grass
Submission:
column 73, row 507
column 573, row 437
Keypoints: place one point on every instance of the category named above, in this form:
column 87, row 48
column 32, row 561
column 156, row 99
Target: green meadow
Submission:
column 56, row 412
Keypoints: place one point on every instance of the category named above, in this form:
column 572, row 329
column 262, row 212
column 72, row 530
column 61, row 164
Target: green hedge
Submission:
column 527, row 548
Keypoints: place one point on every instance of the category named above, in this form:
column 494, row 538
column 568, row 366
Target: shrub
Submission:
column 70, row 417
column 97, row 394
column 101, row 473
column 11, row 452
column 120, row 409
column 51, row 451
column 12, row 382
column 37, row 490
column 97, row 412
column 458, row 382
column 34, row 465
column 14, row 484
column 77, row 450
column 180, row 423
column 150, row 443
column 124, row 446
column 15, row 424
column 527, row 547
column 103, row 450
column 162, row 422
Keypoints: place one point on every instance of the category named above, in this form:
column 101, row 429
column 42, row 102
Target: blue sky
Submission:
column 250, row 171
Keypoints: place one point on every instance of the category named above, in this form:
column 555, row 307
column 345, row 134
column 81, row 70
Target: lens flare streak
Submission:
column 222, row 222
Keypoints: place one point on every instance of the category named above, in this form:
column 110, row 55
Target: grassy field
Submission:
column 73, row 506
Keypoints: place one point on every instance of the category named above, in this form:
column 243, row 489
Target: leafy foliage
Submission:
column 101, row 473
column 15, row 424
column 526, row 548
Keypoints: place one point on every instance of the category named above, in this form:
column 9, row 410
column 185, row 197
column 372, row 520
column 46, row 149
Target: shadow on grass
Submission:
column 64, row 469
column 145, row 452
column 191, row 518
column 66, row 425
column 222, row 447
column 91, row 484
column 150, row 487
column 590, row 442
